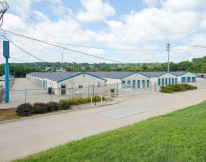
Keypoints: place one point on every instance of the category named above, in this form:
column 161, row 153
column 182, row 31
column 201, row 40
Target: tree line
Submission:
column 197, row 65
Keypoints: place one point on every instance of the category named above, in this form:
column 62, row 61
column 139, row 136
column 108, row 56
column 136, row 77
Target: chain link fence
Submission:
column 112, row 90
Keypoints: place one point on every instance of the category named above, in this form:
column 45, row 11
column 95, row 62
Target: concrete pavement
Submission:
column 23, row 137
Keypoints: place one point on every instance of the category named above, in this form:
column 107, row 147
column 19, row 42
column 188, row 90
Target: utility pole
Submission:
column 73, row 67
column 62, row 61
column 168, row 50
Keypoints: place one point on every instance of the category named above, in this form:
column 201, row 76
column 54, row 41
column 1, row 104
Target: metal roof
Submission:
column 179, row 73
column 60, row 76
column 112, row 74
column 153, row 74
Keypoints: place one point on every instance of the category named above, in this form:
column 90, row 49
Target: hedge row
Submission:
column 27, row 109
column 171, row 88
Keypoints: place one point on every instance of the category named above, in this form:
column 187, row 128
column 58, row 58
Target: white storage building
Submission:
column 61, row 82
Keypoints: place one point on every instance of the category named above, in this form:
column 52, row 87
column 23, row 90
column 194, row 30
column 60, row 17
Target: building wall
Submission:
column 134, row 78
column 168, row 79
column 187, row 75
column 113, row 81
column 83, row 83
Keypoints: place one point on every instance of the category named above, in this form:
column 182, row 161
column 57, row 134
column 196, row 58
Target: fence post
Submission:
column 95, row 100
column 91, row 101
column 72, row 91
column 93, row 90
column 88, row 91
column 25, row 95
column 51, row 96
column 117, row 89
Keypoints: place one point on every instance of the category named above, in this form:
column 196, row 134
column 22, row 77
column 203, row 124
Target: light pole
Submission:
column 168, row 50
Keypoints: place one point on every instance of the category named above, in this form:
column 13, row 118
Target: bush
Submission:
column 64, row 104
column 78, row 101
column 52, row 106
column 25, row 109
column 171, row 88
column 40, row 108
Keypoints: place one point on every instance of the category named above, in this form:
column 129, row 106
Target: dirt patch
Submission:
column 8, row 114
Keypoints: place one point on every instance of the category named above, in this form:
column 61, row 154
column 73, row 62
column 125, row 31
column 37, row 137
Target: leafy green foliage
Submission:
column 64, row 104
column 171, row 88
column 177, row 136
column 40, row 108
column 25, row 109
column 52, row 106
column 78, row 101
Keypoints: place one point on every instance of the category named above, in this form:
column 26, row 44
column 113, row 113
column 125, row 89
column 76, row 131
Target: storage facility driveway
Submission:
column 27, row 136
column 33, row 94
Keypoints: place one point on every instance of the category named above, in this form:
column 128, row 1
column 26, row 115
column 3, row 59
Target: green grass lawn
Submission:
column 178, row 136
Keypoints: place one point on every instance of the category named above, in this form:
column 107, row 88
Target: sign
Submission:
column 126, row 87
column 79, row 91
column 6, row 49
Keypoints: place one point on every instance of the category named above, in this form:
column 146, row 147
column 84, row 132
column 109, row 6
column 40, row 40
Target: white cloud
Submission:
column 144, row 29
column 95, row 10
column 183, row 5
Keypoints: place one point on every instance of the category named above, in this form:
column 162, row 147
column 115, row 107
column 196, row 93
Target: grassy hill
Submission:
column 178, row 136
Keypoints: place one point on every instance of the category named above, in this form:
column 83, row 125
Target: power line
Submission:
column 3, row 11
column 51, row 44
column 39, row 25
column 23, row 49
column 18, row 60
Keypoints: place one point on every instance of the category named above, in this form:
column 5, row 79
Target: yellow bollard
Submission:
column 91, row 101
column 101, row 99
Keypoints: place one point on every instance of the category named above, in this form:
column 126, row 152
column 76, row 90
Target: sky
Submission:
column 138, row 30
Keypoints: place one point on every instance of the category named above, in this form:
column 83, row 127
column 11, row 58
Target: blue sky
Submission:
column 116, row 24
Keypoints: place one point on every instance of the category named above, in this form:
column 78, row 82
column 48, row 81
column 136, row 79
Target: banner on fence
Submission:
column 126, row 87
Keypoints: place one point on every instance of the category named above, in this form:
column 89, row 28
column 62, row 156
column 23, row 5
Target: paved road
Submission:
column 23, row 137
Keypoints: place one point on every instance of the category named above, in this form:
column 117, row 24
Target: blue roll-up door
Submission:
column 143, row 83
column 175, row 80
column 188, row 79
column 165, row 81
column 133, row 84
column 138, row 83
column 172, row 80
column 183, row 79
column 159, row 81
column 147, row 83
column 193, row 79
column 169, row 80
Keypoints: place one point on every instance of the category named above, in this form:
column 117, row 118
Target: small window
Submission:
column 99, row 85
column 80, row 86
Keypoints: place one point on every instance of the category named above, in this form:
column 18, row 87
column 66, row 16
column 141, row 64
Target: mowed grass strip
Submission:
column 177, row 136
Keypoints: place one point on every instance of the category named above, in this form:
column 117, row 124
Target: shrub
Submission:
column 25, row 109
column 40, row 108
column 64, row 104
column 171, row 88
column 78, row 101
column 52, row 106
